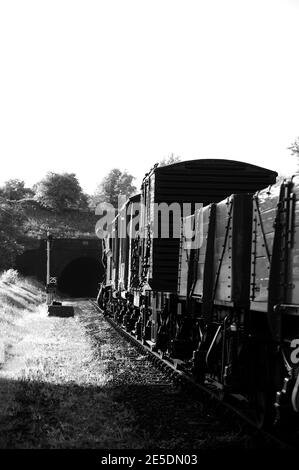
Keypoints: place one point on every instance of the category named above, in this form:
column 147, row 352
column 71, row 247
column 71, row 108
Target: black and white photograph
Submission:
column 149, row 231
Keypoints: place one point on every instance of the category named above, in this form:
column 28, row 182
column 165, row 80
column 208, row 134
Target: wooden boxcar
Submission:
column 196, row 181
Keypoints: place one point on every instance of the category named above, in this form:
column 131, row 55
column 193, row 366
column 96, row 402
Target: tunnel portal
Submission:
column 80, row 278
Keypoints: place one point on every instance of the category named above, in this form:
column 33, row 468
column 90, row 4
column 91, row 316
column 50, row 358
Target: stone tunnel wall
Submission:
column 64, row 253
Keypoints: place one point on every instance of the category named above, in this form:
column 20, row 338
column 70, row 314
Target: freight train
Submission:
column 203, row 267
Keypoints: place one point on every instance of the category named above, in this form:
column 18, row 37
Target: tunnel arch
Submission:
column 80, row 277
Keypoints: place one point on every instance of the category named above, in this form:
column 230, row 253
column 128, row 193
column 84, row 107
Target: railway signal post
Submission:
column 51, row 281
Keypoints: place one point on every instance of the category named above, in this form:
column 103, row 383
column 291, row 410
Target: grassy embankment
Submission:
column 52, row 389
column 18, row 296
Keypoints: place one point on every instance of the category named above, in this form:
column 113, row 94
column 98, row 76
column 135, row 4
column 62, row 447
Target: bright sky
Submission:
column 89, row 85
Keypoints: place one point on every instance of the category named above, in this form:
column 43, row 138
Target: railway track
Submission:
column 205, row 393
column 161, row 413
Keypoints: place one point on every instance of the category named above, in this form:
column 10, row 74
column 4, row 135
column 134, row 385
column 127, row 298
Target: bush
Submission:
column 10, row 276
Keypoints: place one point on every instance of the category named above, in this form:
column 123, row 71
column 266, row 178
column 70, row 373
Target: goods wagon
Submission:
column 215, row 288
column 191, row 182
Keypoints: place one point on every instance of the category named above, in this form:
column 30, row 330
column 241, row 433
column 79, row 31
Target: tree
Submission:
column 10, row 233
column 294, row 148
column 170, row 160
column 14, row 189
column 60, row 191
column 114, row 184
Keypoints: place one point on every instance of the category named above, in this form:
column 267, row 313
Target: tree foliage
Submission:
column 60, row 191
column 113, row 185
column 14, row 189
column 170, row 160
column 10, row 232
column 294, row 147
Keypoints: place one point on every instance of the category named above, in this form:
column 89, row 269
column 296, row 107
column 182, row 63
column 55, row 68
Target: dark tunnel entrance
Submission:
column 80, row 278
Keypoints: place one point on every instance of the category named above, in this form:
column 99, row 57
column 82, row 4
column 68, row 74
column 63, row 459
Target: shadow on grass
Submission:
column 29, row 297
column 44, row 415
column 33, row 291
column 10, row 300
column 19, row 300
